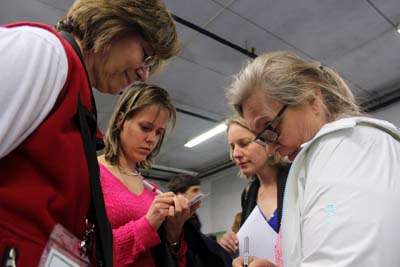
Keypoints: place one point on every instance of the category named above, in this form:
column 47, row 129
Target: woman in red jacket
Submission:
column 48, row 116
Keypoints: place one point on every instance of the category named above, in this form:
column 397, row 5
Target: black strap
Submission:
column 104, row 240
column 67, row 36
column 283, row 173
column 249, row 198
column 87, row 122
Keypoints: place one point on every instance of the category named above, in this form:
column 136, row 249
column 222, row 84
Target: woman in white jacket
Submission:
column 341, row 204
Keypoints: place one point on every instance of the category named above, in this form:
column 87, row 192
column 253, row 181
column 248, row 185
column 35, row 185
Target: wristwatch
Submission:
column 175, row 246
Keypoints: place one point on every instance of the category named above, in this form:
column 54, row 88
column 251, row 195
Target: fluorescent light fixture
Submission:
column 398, row 28
column 203, row 137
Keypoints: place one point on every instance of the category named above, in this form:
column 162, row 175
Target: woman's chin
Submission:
column 293, row 155
column 247, row 173
column 110, row 89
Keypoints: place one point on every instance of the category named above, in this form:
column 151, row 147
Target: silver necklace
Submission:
column 131, row 173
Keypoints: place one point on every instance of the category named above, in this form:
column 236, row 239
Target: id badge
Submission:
column 63, row 250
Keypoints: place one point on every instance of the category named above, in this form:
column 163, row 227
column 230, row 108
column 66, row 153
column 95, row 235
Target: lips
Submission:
column 146, row 149
column 243, row 164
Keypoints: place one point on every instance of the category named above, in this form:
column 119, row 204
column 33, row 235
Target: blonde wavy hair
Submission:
column 134, row 99
column 98, row 22
column 273, row 160
column 288, row 79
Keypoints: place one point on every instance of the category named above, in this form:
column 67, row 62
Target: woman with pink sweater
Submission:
column 134, row 137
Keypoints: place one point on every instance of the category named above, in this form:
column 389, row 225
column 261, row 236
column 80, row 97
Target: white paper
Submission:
column 262, row 238
column 197, row 199
column 57, row 259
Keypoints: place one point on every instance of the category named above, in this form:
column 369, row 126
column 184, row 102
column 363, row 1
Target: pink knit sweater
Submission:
column 133, row 233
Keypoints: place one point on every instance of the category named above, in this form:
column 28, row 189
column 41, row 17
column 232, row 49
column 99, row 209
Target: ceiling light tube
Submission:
column 203, row 137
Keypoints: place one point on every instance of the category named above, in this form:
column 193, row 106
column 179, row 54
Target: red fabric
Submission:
column 45, row 180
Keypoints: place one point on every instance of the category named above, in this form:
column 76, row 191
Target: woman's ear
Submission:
column 316, row 101
column 119, row 121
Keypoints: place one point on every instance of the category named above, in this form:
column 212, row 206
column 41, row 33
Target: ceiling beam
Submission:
column 190, row 113
column 214, row 36
column 381, row 101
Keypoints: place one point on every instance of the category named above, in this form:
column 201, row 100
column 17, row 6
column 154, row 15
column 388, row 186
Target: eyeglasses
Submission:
column 148, row 61
column 269, row 134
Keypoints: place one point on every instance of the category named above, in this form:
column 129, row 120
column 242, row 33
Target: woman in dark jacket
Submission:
column 267, row 175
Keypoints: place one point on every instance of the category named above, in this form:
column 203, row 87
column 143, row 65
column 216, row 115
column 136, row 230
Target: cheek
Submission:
column 260, row 159
column 103, row 80
column 121, row 62
column 289, row 135
column 297, row 131
column 111, row 66
column 289, row 144
column 125, row 140
column 157, row 140
column 131, row 134
column 254, row 155
column 102, row 64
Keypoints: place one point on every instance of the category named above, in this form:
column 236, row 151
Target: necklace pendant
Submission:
column 131, row 173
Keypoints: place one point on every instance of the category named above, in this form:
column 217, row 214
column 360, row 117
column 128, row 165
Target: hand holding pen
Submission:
column 151, row 187
column 250, row 261
column 159, row 208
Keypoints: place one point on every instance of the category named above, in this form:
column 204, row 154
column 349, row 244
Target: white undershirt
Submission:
column 33, row 70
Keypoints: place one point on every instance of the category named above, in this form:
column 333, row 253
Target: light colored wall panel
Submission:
column 224, row 201
column 390, row 113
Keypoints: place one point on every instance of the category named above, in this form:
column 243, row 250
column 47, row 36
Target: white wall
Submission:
column 390, row 113
column 218, row 210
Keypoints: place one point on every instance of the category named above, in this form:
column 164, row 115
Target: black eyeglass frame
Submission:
column 270, row 130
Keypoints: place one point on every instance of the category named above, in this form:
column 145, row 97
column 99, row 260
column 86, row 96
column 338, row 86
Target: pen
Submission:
column 246, row 252
column 151, row 187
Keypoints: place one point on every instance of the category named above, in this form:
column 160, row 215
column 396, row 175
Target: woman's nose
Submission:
column 143, row 74
column 152, row 137
column 237, row 153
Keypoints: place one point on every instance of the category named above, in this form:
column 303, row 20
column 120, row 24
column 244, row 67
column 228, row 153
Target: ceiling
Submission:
column 358, row 38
